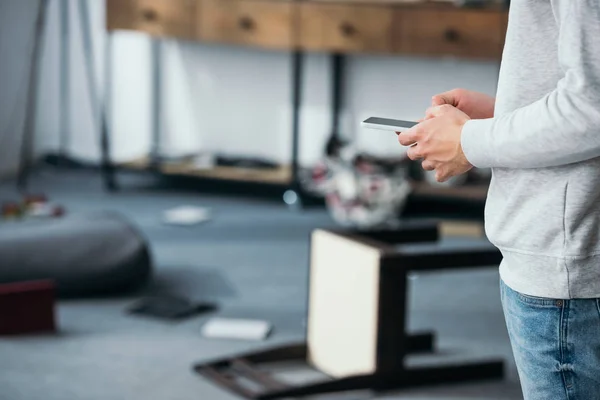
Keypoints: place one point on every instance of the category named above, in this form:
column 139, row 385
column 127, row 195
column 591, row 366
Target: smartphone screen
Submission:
column 390, row 122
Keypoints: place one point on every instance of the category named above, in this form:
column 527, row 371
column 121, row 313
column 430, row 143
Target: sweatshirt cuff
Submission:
column 475, row 142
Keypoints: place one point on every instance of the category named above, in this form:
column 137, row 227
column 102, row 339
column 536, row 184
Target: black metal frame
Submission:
column 32, row 100
column 338, row 78
column 296, row 67
column 65, row 81
column 109, row 169
column 393, row 341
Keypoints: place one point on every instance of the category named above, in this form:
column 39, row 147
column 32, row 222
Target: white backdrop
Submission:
column 206, row 85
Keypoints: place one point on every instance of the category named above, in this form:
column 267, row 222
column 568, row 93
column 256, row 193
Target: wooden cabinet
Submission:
column 455, row 32
column 171, row 18
column 265, row 23
column 345, row 27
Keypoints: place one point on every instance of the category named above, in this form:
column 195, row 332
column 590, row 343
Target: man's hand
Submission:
column 438, row 142
column 476, row 105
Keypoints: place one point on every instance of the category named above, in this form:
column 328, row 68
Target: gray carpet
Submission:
column 252, row 258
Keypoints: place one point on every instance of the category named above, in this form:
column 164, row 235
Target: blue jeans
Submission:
column 556, row 345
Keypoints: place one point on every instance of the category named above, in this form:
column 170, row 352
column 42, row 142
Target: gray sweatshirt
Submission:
column 543, row 145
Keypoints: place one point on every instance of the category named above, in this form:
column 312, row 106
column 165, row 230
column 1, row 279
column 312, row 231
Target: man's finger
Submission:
column 440, row 176
column 410, row 136
column 450, row 97
column 414, row 153
column 428, row 165
column 440, row 99
column 418, row 122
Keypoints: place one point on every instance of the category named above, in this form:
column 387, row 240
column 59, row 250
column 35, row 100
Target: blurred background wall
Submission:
column 218, row 98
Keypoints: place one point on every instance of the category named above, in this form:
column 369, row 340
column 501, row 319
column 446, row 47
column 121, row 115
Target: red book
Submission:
column 27, row 307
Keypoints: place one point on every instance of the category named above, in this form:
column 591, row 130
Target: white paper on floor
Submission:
column 227, row 328
column 186, row 215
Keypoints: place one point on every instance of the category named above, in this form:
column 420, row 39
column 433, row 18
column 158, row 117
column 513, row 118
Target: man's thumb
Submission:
column 438, row 100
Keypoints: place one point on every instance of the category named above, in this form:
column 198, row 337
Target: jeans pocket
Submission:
column 528, row 300
column 538, row 301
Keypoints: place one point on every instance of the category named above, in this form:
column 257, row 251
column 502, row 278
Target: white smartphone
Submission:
column 387, row 124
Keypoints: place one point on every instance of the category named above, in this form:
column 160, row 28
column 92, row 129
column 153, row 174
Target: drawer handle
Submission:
column 347, row 29
column 452, row 35
column 246, row 23
column 150, row 15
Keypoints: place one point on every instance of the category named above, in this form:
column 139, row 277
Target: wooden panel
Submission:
column 345, row 28
column 260, row 23
column 460, row 33
column 171, row 18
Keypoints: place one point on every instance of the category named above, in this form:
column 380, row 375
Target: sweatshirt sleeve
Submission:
column 561, row 128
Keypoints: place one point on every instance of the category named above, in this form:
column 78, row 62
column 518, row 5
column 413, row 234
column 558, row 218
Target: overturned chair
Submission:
column 356, row 332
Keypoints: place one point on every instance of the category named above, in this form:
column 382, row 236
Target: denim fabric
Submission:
column 556, row 345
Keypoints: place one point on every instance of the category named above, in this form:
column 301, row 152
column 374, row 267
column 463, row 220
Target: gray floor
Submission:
column 253, row 259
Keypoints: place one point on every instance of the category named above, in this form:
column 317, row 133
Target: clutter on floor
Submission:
column 29, row 207
column 187, row 215
column 361, row 190
column 27, row 308
column 170, row 307
column 244, row 329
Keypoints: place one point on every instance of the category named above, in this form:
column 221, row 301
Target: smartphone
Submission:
column 387, row 124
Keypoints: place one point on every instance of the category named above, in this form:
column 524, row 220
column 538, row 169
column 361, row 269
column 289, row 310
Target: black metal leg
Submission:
column 338, row 63
column 156, row 104
column 98, row 110
column 338, row 77
column 420, row 343
column 108, row 171
column 294, row 195
column 65, row 80
column 297, row 59
column 338, row 385
column 31, row 112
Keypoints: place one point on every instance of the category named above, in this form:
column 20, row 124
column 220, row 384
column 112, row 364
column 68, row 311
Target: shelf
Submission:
column 279, row 176
column 402, row 27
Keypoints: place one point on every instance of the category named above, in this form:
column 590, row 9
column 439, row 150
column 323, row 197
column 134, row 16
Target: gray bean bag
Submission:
column 93, row 254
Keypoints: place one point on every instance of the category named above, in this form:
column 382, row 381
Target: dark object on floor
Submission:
column 27, row 307
column 357, row 318
column 170, row 307
column 85, row 255
column 245, row 162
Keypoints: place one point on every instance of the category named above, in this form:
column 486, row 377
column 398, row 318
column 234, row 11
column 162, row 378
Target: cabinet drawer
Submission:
column 264, row 23
column 461, row 33
column 170, row 18
column 345, row 28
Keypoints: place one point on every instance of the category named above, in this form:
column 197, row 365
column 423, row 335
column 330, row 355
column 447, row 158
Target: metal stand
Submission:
column 65, row 80
column 334, row 142
column 392, row 348
column 31, row 112
column 296, row 69
column 157, row 96
column 108, row 171
column 98, row 109
column 294, row 190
